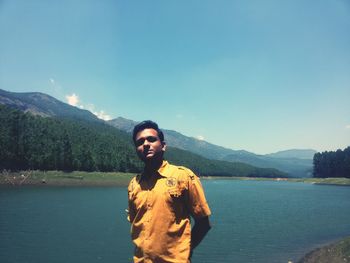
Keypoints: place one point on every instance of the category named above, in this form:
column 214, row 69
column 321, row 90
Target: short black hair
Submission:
column 148, row 124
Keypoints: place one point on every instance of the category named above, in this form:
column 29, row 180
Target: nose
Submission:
column 146, row 143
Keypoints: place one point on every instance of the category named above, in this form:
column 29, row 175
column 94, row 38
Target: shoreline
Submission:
column 77, row 178
column 335, row 252
column 60, row 178
column 311, row 180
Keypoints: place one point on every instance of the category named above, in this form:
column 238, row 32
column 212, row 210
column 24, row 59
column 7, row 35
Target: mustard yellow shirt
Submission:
column 159, row 212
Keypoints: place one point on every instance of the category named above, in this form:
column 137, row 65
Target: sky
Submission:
column 260, row 76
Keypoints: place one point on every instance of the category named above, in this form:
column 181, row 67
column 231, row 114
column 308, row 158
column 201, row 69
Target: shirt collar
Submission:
column 162, row 171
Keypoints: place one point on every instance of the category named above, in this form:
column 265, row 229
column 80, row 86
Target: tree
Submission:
column 332, row 164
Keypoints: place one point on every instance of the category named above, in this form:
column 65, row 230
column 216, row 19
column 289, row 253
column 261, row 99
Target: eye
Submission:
column 140, row 142
column 151, row 138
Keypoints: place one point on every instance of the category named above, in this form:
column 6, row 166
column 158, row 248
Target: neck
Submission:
column 152, row 166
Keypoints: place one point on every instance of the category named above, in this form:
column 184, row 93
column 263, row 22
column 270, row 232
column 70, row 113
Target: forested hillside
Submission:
column 332, row 164
column 35, row 142
column 43, row 105
column 206, row 166
column 296, row 163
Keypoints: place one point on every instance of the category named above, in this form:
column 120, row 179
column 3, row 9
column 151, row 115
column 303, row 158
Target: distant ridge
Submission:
column 294, row 153
column 43, row 105
column 287, row 161
column 123, row 124
column 66, row 144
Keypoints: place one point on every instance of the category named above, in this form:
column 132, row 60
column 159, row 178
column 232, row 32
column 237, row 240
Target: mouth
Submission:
column 148, row 152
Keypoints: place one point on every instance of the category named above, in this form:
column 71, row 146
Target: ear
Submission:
column 164, row 146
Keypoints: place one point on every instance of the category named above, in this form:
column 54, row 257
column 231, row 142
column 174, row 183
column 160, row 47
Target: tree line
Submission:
column 332, row 164
column 34, row 142
column 43, row 143
column 204, row 166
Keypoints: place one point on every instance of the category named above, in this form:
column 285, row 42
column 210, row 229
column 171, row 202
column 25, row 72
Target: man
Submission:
column 161, row 201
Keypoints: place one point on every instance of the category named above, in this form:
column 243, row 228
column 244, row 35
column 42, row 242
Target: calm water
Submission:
column 262, row 222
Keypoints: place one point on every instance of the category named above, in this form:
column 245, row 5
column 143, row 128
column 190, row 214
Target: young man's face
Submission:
column 148, row 145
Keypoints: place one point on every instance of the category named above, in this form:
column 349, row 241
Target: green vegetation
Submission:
column 77, row 178
column 334, row 253
column 81, row 178
column 332, row 164
column 325, row 181
column 333, row 181
column 208, row 167
column 36, row 143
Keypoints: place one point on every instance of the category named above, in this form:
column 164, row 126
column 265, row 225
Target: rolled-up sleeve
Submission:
column 198, row 204
column 131, row 207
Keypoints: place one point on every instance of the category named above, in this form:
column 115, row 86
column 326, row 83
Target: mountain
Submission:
column 44, row 105
column 45, row 143
column 202, row 165
column 294, row 153
column 293, row 166
column 123, row 124
column 53, row 143
column 178, row 140
column 47, row 106
column 289, row 161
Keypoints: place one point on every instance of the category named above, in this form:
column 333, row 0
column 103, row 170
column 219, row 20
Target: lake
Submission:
column 253, row 221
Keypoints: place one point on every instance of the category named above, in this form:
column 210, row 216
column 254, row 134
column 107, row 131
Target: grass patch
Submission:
column 332, row 181
column 122, row 179
column 329, row 181
column 65, row 178
column 336, row 253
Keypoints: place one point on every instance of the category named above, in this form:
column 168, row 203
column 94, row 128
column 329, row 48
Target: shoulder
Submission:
column 183, row 172
column 133, row 182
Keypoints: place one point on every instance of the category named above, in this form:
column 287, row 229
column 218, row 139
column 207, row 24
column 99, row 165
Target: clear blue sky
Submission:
column 262, row 76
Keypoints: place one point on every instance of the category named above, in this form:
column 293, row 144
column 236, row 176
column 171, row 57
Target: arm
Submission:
column 199, row 210
column 131, row 207
column 199, row 230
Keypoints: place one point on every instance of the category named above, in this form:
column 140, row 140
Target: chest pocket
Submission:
column 176, row 197
column 137, row 197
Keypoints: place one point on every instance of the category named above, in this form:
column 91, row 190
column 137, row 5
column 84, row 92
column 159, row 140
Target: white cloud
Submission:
column 72, row 99
column 347, row 126
column 52, row 81
column 100, row 114
column 179, row 116
column 200, row 137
